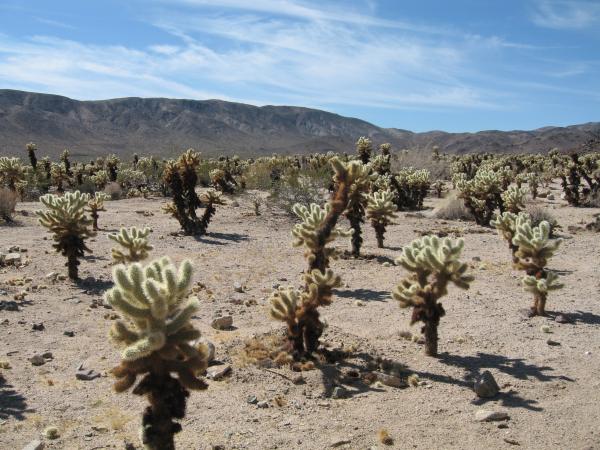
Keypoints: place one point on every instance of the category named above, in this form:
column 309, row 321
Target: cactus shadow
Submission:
column 221, row 238
column 578, row 317
column 94, row 285
column 363, row 294
column 12, row 404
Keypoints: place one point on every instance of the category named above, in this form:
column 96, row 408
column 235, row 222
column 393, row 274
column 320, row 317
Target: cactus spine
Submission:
column 380, row 211
column 66, row 219
column 433, row 263
column 134, row 241
column 156, row 333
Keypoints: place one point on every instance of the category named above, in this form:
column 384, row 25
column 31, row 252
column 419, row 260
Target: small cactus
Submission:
column 434, row 263
column 364, row 148
column 380, row 211
column 514, row 199
column 135, row 242
column 66, row 219
column 156, row 334
column 95, row 205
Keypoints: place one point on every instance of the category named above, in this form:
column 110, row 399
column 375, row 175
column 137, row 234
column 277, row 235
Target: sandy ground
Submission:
column 550, row 392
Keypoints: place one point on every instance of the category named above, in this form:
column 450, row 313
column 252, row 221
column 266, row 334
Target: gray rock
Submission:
column 86, row 374
column 9, row 305
column 37, row 360
column 222, row 323
column 13, row 249
column 391, row 380
column 263, row 404
column 252, row 400
column 237, row 287
column 38, row 326
column 218, row 372
column 561, row 318
column 552, row 343
column 550, row 197
column 12, row 259
column 485, row 385
column 34, row 445
column 69, row 333
column 485, row 415
column 211, row 349
column 338, row 442
column 339, row 392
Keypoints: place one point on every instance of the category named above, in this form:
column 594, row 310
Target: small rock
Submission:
column 339, row 392
column 359, row 303
column 211, row 349
column 391, row 380
column 12, row 258
column 51, row 433
column 338, row 442
column 551, row 197
column 386, row 264
column 237, row 287
column 275, row 285
column 476, row 259
column 52, row 276
column 561, row 318
column 38, row 326
column 34, row 445
column 235, row 204
column 37, row 360
column 298, row 379
column 485, row 386
column 47, row 355
column 86, row 374
column 252, row 400
column 263, row 404
column 218, row 372
column 552, row 343
column 13, row 249
column 222, row 323
column 69, row 333
column 545, row 329
column 9, row 305
column 511, row 441
column 485, row 415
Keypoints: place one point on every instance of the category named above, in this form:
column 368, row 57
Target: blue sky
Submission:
column 460, row 65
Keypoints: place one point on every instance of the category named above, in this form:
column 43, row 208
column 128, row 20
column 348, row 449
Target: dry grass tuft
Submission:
column 8, row 202
column 453, row 208
column 384, row 437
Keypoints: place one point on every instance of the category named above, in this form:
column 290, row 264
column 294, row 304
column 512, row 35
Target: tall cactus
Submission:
column 364, row 148
column 95, row 205
column 381, row 210
column 135, row 243
column 506, row 225
column 433, row 263
column 156, row 334
column 66, row 219
column 355, row 211
column 514, row 199
column 534, row 249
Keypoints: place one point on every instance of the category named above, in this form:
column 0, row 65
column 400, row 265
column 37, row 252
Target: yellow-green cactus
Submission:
column 67, row 220
column 381, row 210
column 433, row 263
column 364, row 148
column 534, row 249
column 95, row 205
column 481, row 194
column 135, row 243
column 100, row 179
column 506, row 225
column 11, row 172
column 157, row 334
column 514, row 199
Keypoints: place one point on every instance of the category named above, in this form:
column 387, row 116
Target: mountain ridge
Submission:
column 164, row 127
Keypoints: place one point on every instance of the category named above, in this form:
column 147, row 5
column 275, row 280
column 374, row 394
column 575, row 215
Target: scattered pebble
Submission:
column 34, row 445
column 339, row 392
column 552, row 343
column 391, row 380
column 218, row 372
column 485, row 415
column 545, row 329
column 237, row 287
column 263, row 404
column 37, row 360
column 252, row 400
column 222, row 323
column 485, row 385
column 561, row 318
column 38, row 326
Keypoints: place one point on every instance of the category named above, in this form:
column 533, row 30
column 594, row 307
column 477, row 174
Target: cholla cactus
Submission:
column 156, row 334
column 66, row 219
column 434, row 263
column 299, row 310
column 11, row 172
column 131, row 179
column 438, row 187
column 506, row 225
column 380, row 211
column 534, row 249
column 533, row 182
column 364, row 148
column 95, row 205
column 355, row 211
column 100, row 179
column 135, row 242
column 64, row 157
column 514, row 199
column 59, row 176
column 31, row 149
column 481, row 194
column 112, row 164
column 411, row 187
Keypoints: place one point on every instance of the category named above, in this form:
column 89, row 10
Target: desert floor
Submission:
column 550, row 392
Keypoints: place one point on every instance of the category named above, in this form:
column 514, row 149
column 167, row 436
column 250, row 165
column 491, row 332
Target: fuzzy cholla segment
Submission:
column 542, row 285
column 514, row 199
column 431, row 255
column 65, row 218
column 535, row 245
column 506, row 223
column 152, row 300
column 135, row 241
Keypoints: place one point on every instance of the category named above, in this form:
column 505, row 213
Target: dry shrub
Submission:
column 265, row 351
column 114, row 190
column 453, row 208
column 539, row 213
column 440, row 168
column 8, row 202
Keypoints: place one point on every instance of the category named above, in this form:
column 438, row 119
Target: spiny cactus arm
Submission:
column 542, row 285
column 284, row 304
column 407, row 293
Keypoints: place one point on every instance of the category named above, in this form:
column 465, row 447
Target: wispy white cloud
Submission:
column 566, row 14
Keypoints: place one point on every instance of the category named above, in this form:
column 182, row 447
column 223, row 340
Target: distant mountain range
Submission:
column 164, row 127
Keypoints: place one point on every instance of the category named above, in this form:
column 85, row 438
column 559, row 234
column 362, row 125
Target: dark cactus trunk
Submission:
column 430, row 331
column 72, row 264
column 94, row 215
column 379, row 233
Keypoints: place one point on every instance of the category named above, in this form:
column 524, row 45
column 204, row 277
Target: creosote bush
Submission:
column 157, row 337
column 134, row 243
column 66, row 219
column 433, row 263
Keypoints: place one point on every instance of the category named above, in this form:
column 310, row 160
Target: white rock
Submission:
column 34, row 445
column 485, row 415
column 222, row 323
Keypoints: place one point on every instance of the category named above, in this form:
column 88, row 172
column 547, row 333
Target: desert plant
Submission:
column 31, row 148
column 411, row 186
column 513, row 199
column 100, row 179
column 506, row 225
column 533, row 182
column 433, row 263
column 481, row 194
column 380, row 211
column 67, row 221
column 355, row 211
column 438, row 187
column 8, row 202
column 11, row 172
column 534, row 249
column 220, row 181
column 134, row 242
column 96, row 204
column 157, row 334
column 112, row 165
column 64, row 157
column 59, row 176
column 364, row 148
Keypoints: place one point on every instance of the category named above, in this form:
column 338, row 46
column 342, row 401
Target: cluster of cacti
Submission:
column 411, row 186
column 96, row 204
column 181, row 178
column 381, row 210
column 134, row 243
column 158, row 337
column 433, row 263
column 299, row 309
column 481, row 194
column 66, row 219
